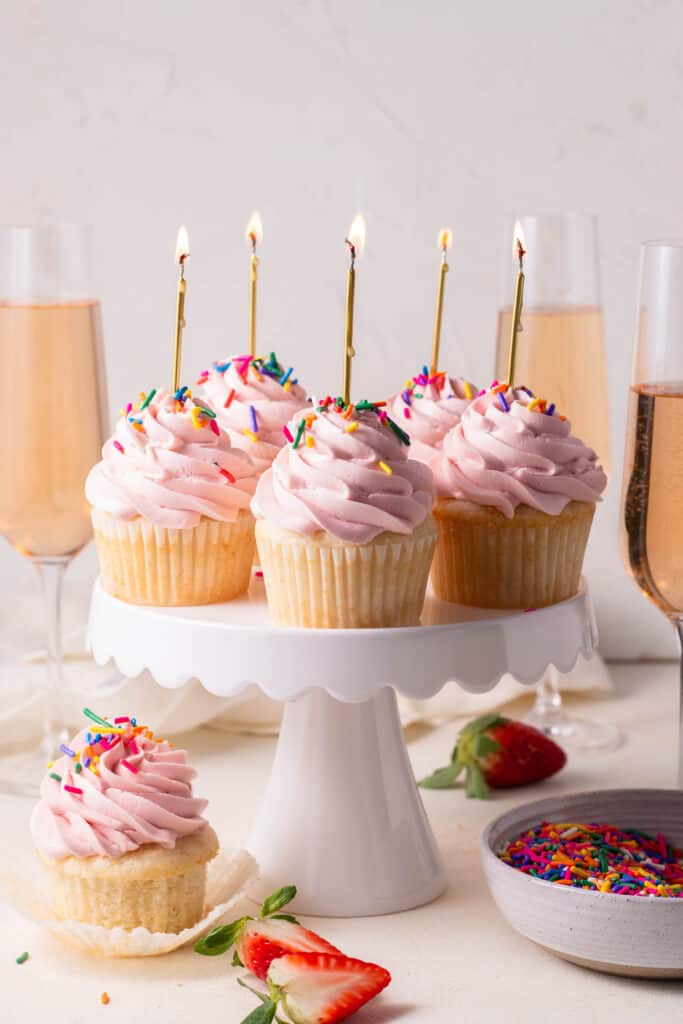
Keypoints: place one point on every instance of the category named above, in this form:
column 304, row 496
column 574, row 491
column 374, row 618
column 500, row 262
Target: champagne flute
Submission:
column 54, row 423
column 653, row 467
column 561, row 355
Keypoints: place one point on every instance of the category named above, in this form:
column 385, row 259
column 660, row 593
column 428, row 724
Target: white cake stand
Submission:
column 341, row 817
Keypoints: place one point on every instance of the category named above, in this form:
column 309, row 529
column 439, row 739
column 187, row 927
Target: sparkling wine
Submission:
column 54, row 423
column 560, row 355
column 653, row 499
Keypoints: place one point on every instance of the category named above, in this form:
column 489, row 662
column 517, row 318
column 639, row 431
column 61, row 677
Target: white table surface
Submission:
column 455, row 960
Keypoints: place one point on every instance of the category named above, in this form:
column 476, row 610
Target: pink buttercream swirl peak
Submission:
column 345, row 471
column 254, row 398
column 115, row 788
column 429, row 406
column 511, row 448
column 170, row 462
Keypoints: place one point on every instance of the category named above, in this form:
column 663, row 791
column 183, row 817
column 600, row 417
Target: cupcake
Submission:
column 344, row 527
column 254, row 399
column 428, row 407
column 516, row 493
column 120, row 833
column 170, row 505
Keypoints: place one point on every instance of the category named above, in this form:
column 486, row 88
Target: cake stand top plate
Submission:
column 228, row 647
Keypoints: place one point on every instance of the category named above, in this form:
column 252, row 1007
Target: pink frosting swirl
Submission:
column 173, row 466
column 349, row 476
column 140, row 793
column 428, row 408
column 516, row 456
column 243, row 390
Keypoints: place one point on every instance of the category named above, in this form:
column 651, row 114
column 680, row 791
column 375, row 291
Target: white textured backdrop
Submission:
column 135, row 116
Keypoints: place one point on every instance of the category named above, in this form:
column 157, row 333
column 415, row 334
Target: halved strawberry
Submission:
column 258, row 941
column 315, row 988
column 261, row 942
column 499, row 752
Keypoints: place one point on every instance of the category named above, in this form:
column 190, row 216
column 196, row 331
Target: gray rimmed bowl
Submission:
column 630, row 935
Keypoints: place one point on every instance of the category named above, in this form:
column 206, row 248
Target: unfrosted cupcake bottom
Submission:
column 158, row 889
column 485, row 560
column 144, row 563
column 325, row 583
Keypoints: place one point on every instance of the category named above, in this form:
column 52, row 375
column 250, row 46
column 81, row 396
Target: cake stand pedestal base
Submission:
column 342, row 818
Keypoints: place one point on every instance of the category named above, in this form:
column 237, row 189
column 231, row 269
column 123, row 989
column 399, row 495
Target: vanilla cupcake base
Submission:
column 158, row 889
column 326, row 583
column 144, row 563
column 485, row 560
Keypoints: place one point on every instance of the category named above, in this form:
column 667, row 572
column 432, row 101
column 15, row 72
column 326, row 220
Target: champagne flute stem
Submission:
column 51, row 572
column 548, row 712
column 679, row 629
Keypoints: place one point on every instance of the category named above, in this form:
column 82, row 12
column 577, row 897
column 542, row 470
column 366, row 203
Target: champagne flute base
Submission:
column 551, row 718
column 579, row 734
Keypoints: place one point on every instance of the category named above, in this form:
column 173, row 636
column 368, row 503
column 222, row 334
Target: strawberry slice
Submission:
column 258, row 941
column 498, row 752
column 316, row 988
column 261, row 942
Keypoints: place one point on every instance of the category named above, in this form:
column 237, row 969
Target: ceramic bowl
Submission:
column 630, row 935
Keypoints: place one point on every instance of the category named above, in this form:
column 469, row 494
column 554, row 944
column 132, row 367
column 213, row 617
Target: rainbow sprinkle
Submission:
column 123, row 733
column 346, row 410
column 22, row 958
column 601, row 858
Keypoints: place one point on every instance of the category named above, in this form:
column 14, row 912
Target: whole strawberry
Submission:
column 498, row 752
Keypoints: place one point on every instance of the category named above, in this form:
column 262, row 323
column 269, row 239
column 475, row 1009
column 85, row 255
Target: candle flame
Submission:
column 356, row 236
column 444, row 239
column 182, row 246
column 518, row 244
column 254, row 230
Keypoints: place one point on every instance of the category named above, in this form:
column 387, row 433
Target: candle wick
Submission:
column 252, row 238
column 352, row 250
column 521, row 253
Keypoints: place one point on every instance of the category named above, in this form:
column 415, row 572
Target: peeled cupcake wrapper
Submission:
column 144, row 563
column 229, row 880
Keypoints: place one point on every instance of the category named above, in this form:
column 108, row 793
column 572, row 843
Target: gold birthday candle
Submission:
column 356, row 242
column 518, row 253
column 444, row 241
column 254, row 236
column 182, row 251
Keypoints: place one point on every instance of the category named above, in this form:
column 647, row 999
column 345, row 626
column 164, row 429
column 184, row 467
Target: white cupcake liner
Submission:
column 229, row 880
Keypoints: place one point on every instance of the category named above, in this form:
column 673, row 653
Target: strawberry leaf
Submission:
column 263, row 1014
column 284, row 917
column 219, row 940
column 277, row 900
column 442, row 778
column 483, row 723
column 475, row 783
column 236, row 962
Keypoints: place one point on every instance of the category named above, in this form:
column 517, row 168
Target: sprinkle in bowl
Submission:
column 637, row 935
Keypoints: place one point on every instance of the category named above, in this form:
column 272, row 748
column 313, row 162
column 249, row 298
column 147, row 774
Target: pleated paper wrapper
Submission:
column 322, row 582
column 230, row 877
column 144, row 563
column 484, row 560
